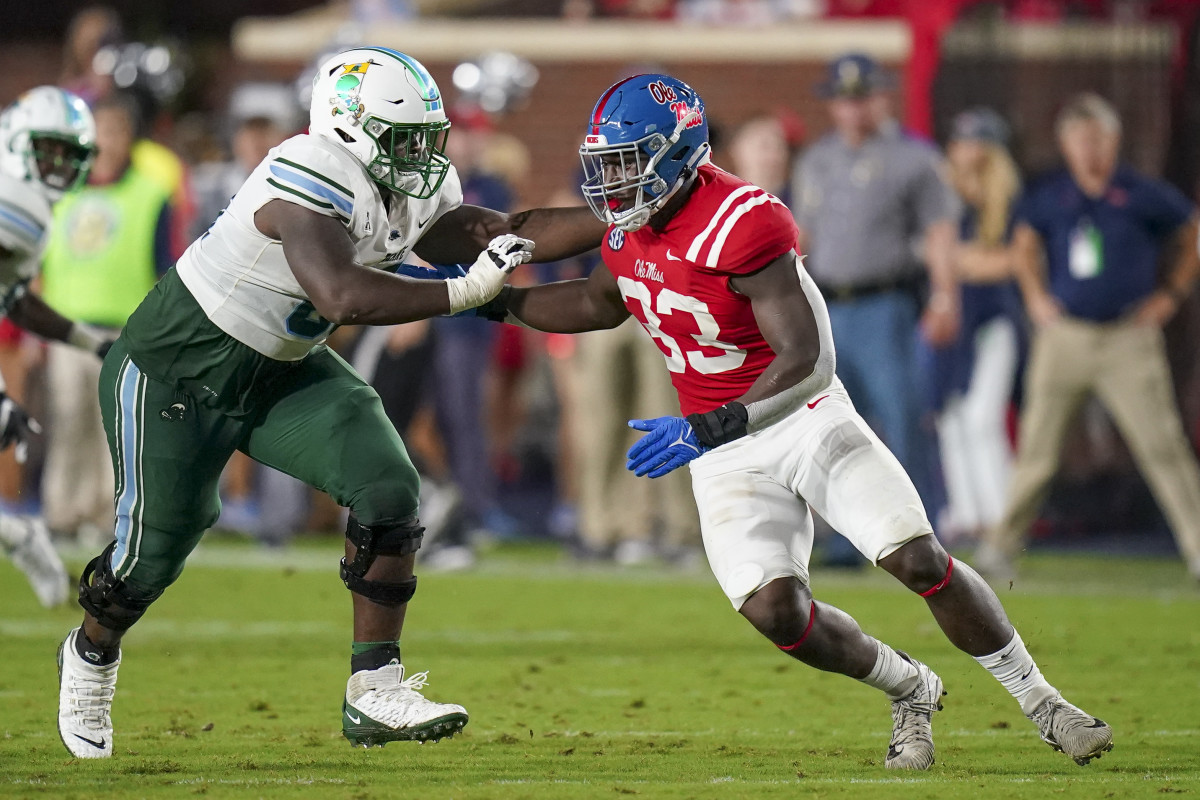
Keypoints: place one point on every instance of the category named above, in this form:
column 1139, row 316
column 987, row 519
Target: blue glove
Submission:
column 669, row 445
column 438, row 272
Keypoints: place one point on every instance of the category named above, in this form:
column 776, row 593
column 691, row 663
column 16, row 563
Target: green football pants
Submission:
column 320, row 423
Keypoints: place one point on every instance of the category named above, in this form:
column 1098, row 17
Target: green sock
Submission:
column 373, row 655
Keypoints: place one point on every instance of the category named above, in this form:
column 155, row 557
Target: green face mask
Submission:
column 411, row 157
column 62, row 162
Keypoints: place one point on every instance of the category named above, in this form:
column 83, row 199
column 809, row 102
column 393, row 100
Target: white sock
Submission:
column 1015, row 669
column 891, row 675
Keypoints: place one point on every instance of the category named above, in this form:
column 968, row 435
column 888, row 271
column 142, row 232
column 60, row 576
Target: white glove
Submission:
column 16, row 426
column 487, row 275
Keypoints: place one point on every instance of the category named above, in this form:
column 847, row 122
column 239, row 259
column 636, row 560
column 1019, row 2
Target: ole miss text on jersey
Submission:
column 675, row 281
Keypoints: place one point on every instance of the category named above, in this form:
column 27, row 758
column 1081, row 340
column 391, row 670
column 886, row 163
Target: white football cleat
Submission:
column 912, row 721
column 27, row 542
column 85, row 695
column 383, row 706
column 1071, row 730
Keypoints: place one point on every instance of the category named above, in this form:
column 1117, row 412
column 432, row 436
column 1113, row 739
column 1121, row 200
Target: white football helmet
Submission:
column 385, row 108
column 48, row 137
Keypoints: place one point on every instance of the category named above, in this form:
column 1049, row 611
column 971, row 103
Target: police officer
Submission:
column 877, row 222
column 1099, row 307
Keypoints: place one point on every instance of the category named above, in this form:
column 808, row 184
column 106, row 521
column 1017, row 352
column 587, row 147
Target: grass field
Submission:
column 588, row 682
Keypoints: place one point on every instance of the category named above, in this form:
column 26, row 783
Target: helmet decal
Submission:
column 348, row 100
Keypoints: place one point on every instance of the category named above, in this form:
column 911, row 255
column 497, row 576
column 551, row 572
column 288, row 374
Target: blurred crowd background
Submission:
column 521, row 434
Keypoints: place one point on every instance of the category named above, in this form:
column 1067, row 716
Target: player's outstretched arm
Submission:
column 30, row 312
column 587, row 304
column 322, row 257
column 459, row 235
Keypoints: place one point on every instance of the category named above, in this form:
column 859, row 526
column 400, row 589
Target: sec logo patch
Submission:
column 616, row 239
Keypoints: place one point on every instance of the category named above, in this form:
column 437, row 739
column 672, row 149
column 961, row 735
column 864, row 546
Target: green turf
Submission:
column 597, row 683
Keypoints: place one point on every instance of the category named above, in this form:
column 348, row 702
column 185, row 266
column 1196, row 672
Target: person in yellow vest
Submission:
column 109, row 244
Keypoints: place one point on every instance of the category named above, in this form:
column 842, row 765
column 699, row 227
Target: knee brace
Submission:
column 386, row 539
column 115, row 604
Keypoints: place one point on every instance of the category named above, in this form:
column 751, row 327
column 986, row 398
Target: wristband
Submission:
column 721, row 425
column 84, row 338
column 496, row 309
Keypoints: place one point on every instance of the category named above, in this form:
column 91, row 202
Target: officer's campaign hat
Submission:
column 854, row 75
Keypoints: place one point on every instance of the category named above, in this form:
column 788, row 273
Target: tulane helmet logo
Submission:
column 348, row 100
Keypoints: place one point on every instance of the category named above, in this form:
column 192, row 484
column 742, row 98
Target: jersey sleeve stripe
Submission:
column 693, row 253
column 16, row 219
column 316, row 174
column 714, row 252
column 306, row 198
column 15, row 238
column 313, row 187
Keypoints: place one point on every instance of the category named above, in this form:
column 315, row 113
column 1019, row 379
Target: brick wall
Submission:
column 553, row 122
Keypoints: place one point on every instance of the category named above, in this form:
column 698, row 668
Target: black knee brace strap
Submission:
column 115, row 604
column 387, row 539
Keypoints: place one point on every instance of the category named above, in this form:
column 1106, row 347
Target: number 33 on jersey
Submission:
column 676, row 283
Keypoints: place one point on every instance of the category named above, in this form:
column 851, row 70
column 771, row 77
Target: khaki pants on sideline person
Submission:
column 77, row 482
column 1125, row 366
column 621, row 375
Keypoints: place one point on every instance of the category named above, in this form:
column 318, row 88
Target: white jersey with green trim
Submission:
column 240, row 276
column 24, row 228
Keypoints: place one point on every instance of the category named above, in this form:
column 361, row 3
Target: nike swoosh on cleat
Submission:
column 98, row 745
column 355, row 720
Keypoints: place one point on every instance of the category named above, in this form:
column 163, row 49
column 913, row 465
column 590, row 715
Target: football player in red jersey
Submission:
column 706, row 263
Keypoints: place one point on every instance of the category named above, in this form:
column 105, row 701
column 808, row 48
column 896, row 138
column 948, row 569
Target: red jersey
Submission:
column 676, row 283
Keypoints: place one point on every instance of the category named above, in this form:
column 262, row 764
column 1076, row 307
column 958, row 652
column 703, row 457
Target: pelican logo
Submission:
column 174, row 412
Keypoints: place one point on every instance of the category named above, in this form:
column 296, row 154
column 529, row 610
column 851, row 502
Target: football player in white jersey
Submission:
column 227, row 353
column 47, row 143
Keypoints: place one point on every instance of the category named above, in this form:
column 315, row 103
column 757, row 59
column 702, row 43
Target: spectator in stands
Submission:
column 759, row 152
column 611, row 377
column 107, row 247
column 89, row 30
column 214, row 184
column 974, row 377
column 1099, row 306
column 464, row 347
column 874, row 217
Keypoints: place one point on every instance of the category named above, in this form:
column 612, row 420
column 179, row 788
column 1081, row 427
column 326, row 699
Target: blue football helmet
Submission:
column 647, row 136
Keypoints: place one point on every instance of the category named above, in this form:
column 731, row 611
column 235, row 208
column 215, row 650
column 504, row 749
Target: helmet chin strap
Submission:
column 637, row 219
